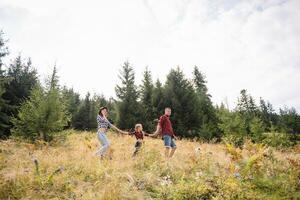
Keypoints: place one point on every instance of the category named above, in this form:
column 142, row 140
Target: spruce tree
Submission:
column 158, row 99
column 233, row 126
column 43, row 113
column 179, row 94
column 128, row 107
column 82, row 119
column 248, row 110
column 289, row 121
column 23, row 78
column 148, row 113
column 200, row 82
column 72, row 100
column 209, row 121
column 267, row 115
column 4, row 106
column 3, row 50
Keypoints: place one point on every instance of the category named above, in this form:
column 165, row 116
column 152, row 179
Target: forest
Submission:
column 32, row 109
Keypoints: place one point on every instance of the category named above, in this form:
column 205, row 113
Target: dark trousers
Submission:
column 138, row 146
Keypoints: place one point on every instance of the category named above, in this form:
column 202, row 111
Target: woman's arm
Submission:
column 116, row 128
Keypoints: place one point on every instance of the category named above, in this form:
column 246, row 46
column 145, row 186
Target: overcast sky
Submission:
column 237, row 44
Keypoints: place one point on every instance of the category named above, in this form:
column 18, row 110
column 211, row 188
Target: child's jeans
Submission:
column 138, row 146
column 105, row 143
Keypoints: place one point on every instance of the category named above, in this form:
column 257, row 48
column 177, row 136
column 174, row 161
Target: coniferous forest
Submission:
column 32, row 109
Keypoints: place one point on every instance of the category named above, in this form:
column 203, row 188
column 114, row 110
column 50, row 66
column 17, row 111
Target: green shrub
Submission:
column 275, row 139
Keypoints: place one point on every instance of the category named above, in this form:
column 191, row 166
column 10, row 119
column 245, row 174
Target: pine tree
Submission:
column 158, row 99
column 43, row 113
column 244, row 109
column 29, row 120
column 233, row 126
column 200, row 82
column 4, row 106
column 209, row 121
column 257, row 129
column 3, row 50
column 267, row 114
column 23, row 78
column 246, row 104
column 148, row 113
column 290, row 123
column 179, row 94
column 82, row 119
column 248, row 110
column 128, row 107
column 72, row 100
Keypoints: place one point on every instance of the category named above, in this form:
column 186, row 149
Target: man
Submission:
column 164, row 127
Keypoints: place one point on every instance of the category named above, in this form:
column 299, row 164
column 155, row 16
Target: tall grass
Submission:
column 68, row 169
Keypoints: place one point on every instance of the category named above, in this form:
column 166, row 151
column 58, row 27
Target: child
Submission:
column 139, row 135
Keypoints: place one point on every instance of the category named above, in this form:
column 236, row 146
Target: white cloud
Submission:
column 237, row 44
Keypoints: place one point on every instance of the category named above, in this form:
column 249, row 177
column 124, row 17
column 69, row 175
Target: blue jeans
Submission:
column 169, row 141
column 105, row 143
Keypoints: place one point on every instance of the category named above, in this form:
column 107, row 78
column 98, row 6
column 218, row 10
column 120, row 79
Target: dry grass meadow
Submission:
column 68, row 169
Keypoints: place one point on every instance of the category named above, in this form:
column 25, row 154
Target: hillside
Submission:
column 68, row 169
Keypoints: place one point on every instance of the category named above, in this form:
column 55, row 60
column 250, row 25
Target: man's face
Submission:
column 168, row 111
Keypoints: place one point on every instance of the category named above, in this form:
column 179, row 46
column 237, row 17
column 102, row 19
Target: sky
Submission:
column 237, row 44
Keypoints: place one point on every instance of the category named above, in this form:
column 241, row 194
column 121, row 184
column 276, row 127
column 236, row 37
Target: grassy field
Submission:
column 68, row 169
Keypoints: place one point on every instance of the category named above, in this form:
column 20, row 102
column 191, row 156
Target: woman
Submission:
column 103, row 125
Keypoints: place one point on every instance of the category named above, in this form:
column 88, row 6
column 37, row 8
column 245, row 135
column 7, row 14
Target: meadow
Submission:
column 67, row 168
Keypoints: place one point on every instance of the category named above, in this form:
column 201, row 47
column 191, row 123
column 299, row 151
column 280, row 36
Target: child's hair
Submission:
column 137, row 126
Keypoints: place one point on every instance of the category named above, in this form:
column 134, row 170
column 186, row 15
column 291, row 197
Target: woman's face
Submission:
column 104, row 112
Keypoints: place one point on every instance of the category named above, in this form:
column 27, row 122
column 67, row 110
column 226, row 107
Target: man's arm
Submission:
column 175, row 137
column 157, row 131
column 145, row 134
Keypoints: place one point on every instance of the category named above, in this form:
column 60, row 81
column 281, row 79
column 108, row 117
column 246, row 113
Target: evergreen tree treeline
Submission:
column 33, row 111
